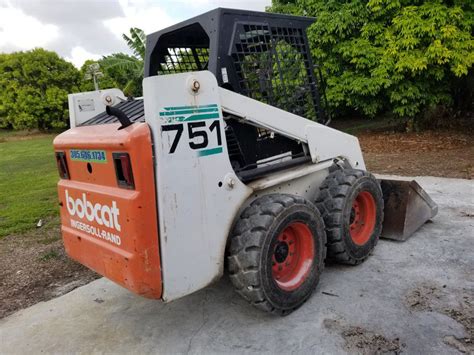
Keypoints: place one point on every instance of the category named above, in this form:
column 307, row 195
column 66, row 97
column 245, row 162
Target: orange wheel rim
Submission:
column 362, row 219
column 293, row 256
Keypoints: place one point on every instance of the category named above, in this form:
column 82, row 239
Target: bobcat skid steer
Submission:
column 223, row 165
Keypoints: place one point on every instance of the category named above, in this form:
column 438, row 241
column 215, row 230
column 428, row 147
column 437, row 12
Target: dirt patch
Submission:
column 34, row 267
column 456, row 304
column 444, row 154
column 423, row 297
column 458, row 344
column 362, row 341
column 463, row 314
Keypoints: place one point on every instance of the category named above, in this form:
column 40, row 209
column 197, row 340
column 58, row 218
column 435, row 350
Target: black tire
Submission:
column 335, row 201
column 253, row 249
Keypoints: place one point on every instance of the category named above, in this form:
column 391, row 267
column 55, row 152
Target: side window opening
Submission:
column 182, row 50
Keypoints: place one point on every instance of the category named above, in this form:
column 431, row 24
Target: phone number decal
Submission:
column 90, row 156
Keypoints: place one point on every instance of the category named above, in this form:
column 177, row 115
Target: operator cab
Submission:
column 263, row 56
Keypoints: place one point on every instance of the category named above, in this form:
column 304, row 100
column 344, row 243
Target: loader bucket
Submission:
column 407, row 208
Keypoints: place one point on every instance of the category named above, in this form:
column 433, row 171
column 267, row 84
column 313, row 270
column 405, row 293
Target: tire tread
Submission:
column 245, row 247
column 336, row 187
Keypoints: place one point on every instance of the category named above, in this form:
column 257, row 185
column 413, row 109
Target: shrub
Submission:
column 389, row 55
column 33, row 89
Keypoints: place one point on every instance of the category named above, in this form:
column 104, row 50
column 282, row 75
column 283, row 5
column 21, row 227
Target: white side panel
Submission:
column 324, row 143
column 85, row 105
column 306, row 186
column 289, row 175
column 198, row 193
column 301, row 181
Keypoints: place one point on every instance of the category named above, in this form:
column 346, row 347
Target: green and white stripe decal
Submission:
column 189, row 113
column 210, row 151
column 200, row 124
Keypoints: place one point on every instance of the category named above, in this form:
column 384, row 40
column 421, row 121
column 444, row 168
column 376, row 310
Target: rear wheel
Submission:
column 277, row 252
column 351, row 204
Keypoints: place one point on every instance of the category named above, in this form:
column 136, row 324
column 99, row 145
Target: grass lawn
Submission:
column 28, row 177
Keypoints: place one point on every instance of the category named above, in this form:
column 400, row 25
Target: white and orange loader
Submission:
column 216, row 168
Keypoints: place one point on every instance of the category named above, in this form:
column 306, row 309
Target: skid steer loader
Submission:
column 225, row 163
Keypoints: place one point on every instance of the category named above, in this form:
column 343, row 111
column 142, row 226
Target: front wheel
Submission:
column 276, row 253
column 351, row 204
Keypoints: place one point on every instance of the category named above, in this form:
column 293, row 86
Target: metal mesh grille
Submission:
column 179, row 60
column 273, row 66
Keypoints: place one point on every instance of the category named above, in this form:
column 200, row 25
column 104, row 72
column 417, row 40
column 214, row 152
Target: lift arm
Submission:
column 324, row 143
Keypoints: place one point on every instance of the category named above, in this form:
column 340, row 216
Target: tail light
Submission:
column 62, row 165
column 123, row 170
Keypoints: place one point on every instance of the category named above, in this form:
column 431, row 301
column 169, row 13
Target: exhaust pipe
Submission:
column 407, row 208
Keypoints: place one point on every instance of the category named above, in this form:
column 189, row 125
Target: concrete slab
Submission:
column 412, row 297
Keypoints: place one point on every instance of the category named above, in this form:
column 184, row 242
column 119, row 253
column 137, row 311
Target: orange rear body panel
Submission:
column 111, row 229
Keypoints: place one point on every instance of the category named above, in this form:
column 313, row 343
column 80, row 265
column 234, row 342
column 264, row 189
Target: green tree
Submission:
column 136, row 42
column 285, row 7
column 33, row 89
column 128, row 70
column 389, row 55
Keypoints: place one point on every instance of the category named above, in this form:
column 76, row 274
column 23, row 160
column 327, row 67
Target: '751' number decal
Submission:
column 198, row 137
